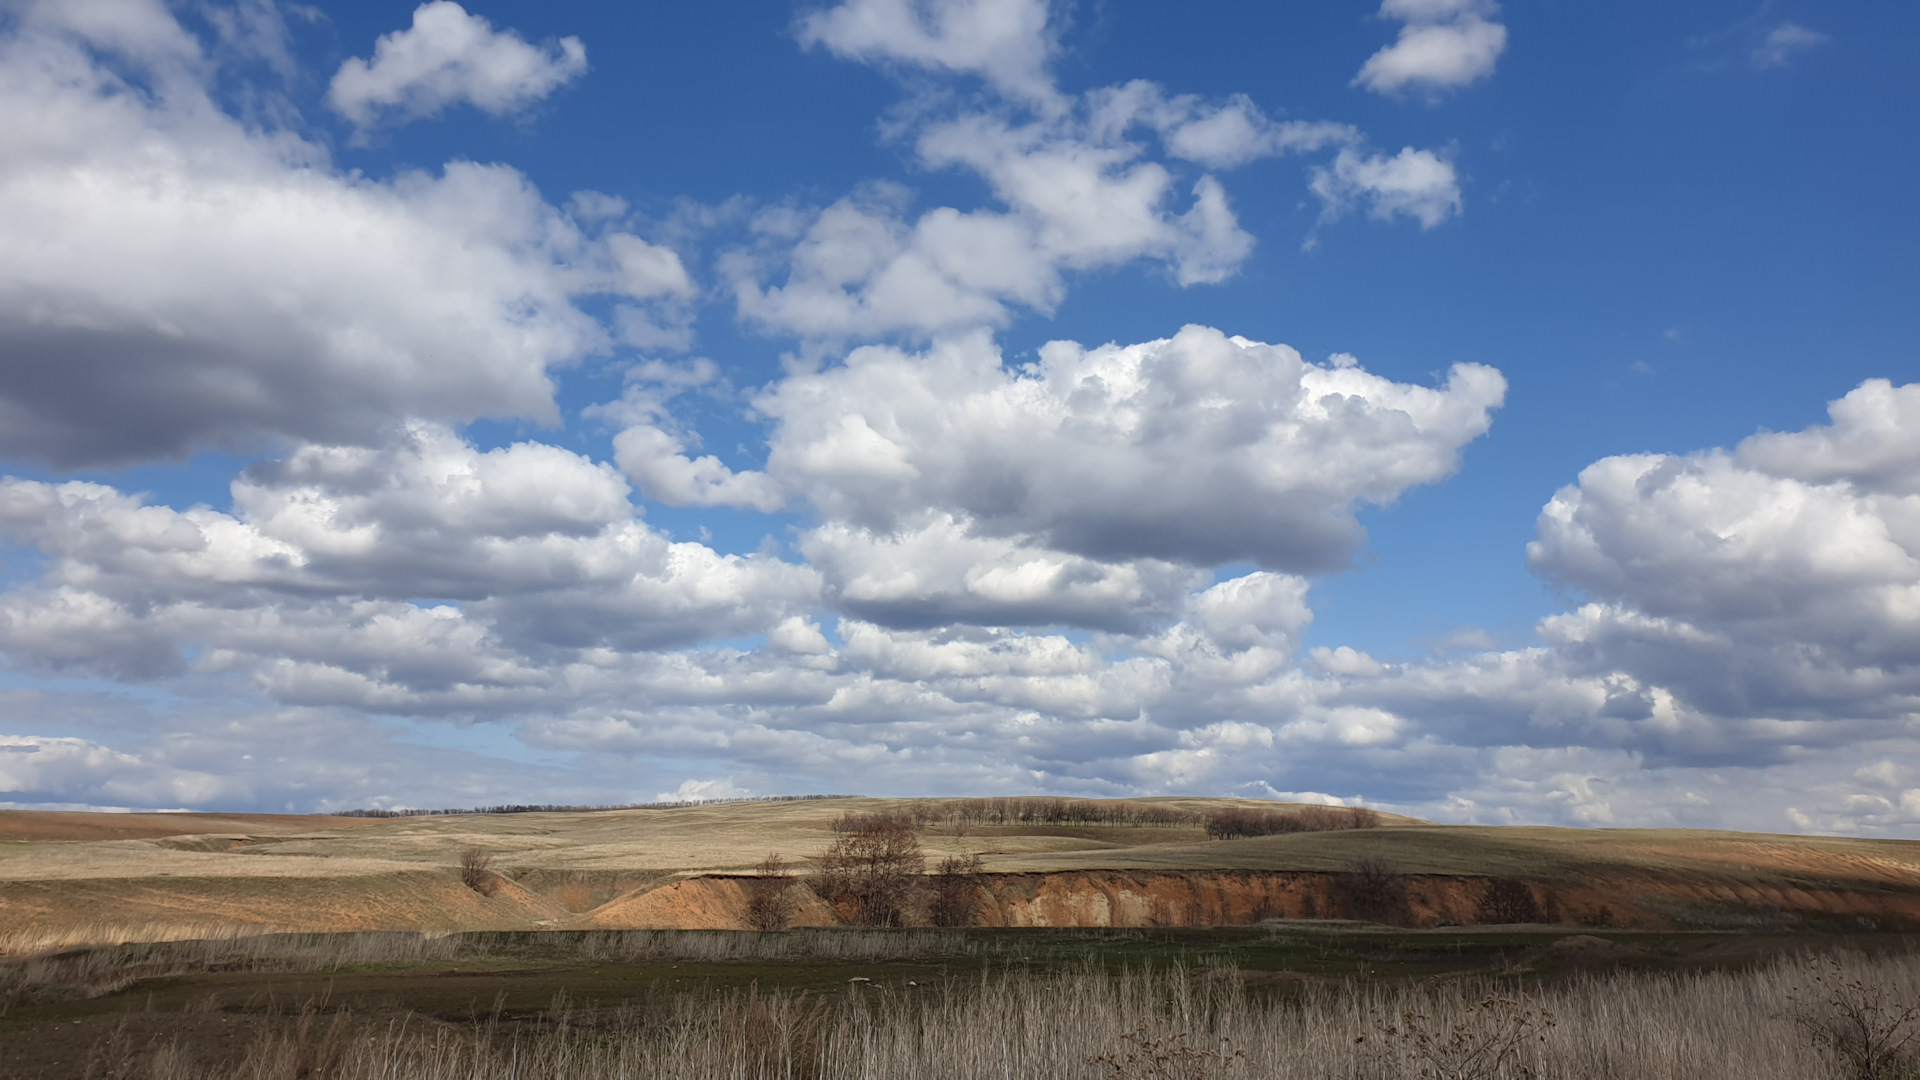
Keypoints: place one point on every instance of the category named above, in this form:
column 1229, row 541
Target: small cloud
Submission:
column 1444, row 45
column 448, row 57
column 1672, row 333
column 704, row 791
column 596, row 206
column 1640, row 367
column 1758, row 42
column 1781, row 43
column 1466, row 637
column 1419, row 184
column 1884, row 773
column 697, row 372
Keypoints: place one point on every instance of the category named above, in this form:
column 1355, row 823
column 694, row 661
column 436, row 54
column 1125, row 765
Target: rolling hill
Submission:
column 74, row 878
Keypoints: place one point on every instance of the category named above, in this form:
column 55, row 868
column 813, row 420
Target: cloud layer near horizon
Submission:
column 1087, row 573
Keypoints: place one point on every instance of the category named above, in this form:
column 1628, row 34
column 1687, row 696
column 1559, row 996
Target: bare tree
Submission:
column 871, row 873
column 770, row 899
column 956, row 891
column 1373, row 889
column 1231, row 822
column 476, row 871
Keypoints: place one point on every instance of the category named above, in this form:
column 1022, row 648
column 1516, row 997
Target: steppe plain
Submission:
column 80, row 878
column 199, row 945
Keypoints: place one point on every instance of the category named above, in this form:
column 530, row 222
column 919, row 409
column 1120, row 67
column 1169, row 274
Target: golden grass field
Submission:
column 84, row 877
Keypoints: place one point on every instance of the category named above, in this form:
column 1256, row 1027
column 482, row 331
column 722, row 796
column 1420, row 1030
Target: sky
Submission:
column 1498, row 413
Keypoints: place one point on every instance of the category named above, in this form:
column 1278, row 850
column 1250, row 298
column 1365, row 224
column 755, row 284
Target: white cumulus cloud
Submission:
column 1419, row 184
column 1750, row 607
column 34, row 768
column 1076, row 195
column 172, row 279
column 1443, row 45
column 1076, row 191
column 450, row 57
column 1073, row 489
column 312, row 583
column 1006, row 42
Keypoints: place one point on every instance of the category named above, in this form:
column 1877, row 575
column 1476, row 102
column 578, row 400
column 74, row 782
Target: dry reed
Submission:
column 79, row 973
column 1090, row 1025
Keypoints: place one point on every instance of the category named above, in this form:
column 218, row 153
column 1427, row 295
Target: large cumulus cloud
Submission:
column 1199, row 448
column 1085, row 488
column 1754, row 608
column 425, row 567
column 173, row 279
column 1780, row 578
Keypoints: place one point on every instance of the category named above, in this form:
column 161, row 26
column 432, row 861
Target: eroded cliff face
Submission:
column 703, row 903
column 1220, row 898
column 1121, row 898
column 1241, row 898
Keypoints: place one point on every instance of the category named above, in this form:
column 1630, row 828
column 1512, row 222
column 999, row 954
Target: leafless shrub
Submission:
column 1047, row 810
column 871, row 872
column 1169, row 1056
column 1599, row 918
column 770, row 899
column 1492, row 1040
column 1871, row 1031
column 955, row 892
column 476, row 871
column 851, row 823
column 1508, row 901
column 1373, row 889
column 1323, row 818
column 1233, row 822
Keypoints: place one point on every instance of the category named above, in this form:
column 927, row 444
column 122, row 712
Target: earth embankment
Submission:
column 1243, row 898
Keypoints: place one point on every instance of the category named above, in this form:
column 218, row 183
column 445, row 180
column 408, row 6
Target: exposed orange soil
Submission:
column 708, row 903
column 1221, row 899
column 1199, row 898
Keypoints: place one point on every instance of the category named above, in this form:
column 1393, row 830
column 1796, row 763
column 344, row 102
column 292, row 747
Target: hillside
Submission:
column 74, row 877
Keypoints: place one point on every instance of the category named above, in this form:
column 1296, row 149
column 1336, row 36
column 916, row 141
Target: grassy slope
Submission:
column 285, row 870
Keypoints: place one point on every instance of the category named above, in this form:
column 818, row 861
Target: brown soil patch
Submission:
column 705, row 903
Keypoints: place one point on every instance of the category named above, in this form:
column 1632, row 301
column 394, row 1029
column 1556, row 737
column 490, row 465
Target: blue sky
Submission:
column 516, row 402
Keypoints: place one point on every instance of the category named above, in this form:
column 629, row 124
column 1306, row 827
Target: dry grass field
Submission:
column 1294, row 1002
column 73, row 878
